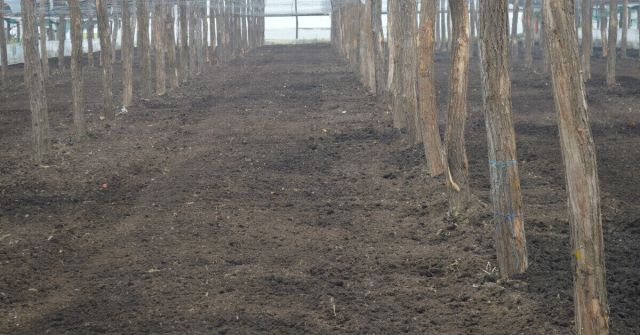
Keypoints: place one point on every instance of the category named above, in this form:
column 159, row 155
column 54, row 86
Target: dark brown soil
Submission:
column 273, row 196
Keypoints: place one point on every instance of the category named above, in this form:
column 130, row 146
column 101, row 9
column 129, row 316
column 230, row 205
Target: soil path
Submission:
column 273, row 196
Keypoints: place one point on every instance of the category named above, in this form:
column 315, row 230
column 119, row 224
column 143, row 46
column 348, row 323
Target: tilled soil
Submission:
column 272, row 195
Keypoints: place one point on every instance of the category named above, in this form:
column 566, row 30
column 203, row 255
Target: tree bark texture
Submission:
column 579, row 156
column 587, row 39
column 142, row 13
column 613, row 39
column 458, row 191
column 76, row 69
column 44, row 55
column 35, row 82
column 511, row 245
column 426, row 83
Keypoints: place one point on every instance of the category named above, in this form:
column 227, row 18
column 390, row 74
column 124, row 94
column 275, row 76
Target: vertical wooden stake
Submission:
column 579, row 156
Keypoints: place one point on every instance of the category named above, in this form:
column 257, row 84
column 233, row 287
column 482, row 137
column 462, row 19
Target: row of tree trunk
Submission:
column 209, row 32
column 410, row 89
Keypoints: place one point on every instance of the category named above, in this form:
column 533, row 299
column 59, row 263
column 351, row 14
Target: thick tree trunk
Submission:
column 394, row 80
column 408, row 26
column 44, row 55
column 158, row 34
column 586, row 39
column 105, row 56
column 511, row 246
column 62, row 36
column 459, row 194
column 426, row 80
column 613, row 39
column 603, row 30
column 514, row 30
column 35, row 82
column 3, row 46
column 127, row 56
column 579, row 156
column 528, row 34
column 76, row 69
column 144, row 45
column 90, row 35
column 625, row 27
column 545, row 52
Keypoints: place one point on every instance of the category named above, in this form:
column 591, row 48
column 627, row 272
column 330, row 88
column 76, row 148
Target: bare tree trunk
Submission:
column 3, row 46
column 459, row 194
column 144, row 45
column 578, row 152
column 367, row 58
column 586, row 38
column 184, row 38
column 395, row 63
column 76, row 69
column 528, row 35
column 127, row 56
column 472, row 21
column 449, row 29
column 613, row 39
column 426, row 80
column 62, row 35
column 511, row 246
column 212, row 34
column 35, row 82
column 105, row 56
column 438, row 35
column 170, row 44
column 625, row 27
column 44, row 55
column 380, row 58
column 158, row 33
column 192, row 41
column 114, row 36
column 408, row 26
column 90, row 35
column 603, row 30
column 514, row 30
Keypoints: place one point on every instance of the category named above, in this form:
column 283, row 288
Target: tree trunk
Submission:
column 459, row 193
column 408, row 26
column 426, row 80
column 114, row 36
column 158, row 34
column 192, row 41
column 472, row 21
column 90, row 35
column 545, row 52
column 528, row 35
column 144, row 45
column 625, row 27
column 127, row 56
column 395, row 63
column 438, row 36
column 76, row 69
column 184, row 38
column 586, row 39
column 171, row 47
column 212, row 34
column 105, row 56
column 613, row 39
column 62, row 36
column 378, row 47
column 511, row 246
column 514, row 30
column 34, row 80
column 578, row 152
column 603, row 30
column 3, row 46
column 367, row 59
column 44, row 55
